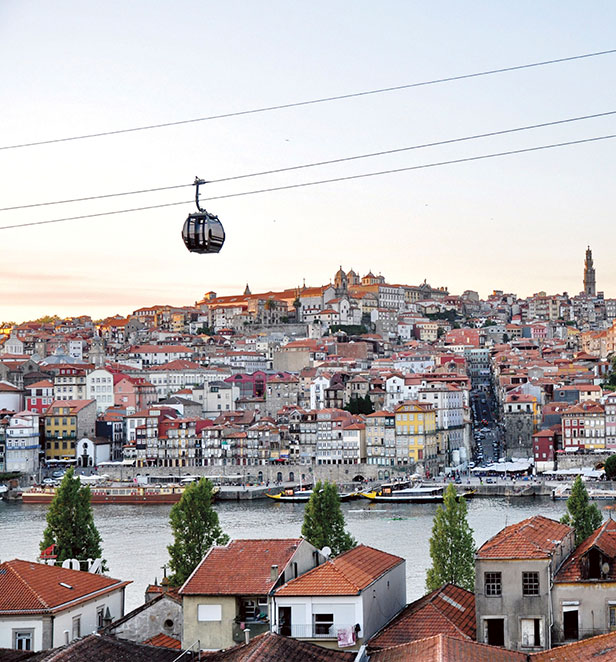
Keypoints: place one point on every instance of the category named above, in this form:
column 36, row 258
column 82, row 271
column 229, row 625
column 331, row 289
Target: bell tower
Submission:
column 590, row 287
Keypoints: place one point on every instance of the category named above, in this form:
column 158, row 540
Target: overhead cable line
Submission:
column 318, row 182
column 309, row 102
column 319, row 163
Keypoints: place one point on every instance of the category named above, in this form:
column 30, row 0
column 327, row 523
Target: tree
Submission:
column 195, row 528
column 452, row 548
column 610, row 467
column 583, row 516
column 324, row 522
column 366, row 406
column 70, row 523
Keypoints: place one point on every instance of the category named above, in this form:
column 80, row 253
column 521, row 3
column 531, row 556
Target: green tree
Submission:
column 366, row 407
column 195, row 528
column 582, row 515
column 452, row 548
column 610, row 467
column 70, row 523
column 324, row 522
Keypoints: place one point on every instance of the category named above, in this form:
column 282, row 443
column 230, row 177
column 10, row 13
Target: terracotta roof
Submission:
column 598, row 649
column 243, row 567
column 270, row 647
column 75, row 406
column 42, row 384
column 347, row 574
column 445, row 648
column 533, row 538
column 96, row 647
column 603, row 539
column 164, row 641
column 27, row 587
column 448, row 610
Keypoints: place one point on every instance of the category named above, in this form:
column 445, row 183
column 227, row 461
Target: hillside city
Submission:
column 356, row 372
column 359, row 381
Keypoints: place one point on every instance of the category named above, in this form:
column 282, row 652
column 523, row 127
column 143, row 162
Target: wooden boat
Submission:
column 302, row 495
column 128, row 494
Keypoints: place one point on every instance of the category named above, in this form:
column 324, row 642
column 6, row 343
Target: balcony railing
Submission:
column 312, row 630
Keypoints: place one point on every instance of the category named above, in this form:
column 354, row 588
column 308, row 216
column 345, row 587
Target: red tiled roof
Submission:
column 243, row 567
column 27, row 587
column 445, row 648
column 42, row 384
column 75, row 406
column 448, row 610
column 347, row 574
column 604, row 539
column 533, row 538
column 270, row 647
column 598, row 649
column 164, row 641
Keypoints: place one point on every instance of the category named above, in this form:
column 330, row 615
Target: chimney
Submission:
column 247, row 635
column 274, row 573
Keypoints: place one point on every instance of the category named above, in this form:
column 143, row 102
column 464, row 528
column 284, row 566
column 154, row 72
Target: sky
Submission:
column 519, row 223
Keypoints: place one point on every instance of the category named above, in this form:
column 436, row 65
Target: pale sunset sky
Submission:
column 519, row 223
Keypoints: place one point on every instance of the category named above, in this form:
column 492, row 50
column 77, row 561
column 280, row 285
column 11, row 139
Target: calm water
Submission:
column 135, row 537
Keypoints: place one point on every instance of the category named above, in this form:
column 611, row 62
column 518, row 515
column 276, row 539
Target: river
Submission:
column 135, row 537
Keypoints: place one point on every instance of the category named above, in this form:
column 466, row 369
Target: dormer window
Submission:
column 595, row 565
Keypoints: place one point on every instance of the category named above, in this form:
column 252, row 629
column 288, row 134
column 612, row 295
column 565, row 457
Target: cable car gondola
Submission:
column 202, row 232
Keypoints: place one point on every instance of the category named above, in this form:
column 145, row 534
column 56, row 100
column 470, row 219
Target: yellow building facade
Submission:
column 416, row 438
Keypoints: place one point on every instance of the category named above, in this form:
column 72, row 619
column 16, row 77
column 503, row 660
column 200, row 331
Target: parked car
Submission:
column 490, row 480
column 49, row 481
column 58, row 474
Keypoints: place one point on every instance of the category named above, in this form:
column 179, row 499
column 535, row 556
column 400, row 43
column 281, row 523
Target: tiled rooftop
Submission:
column 243, row 567
column 448, row 610
column 445, row 648
column 533, row 538
column 347, row 574
column 269, row 647
column 604, row 539
column 36, row 587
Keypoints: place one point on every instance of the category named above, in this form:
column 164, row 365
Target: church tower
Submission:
column 589, row 275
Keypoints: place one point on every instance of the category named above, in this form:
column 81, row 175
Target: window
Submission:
column 323, row 623
column 209, row 613
column 23, row 640
column 612, row 617
column 531, row 632
column 100, row 615
column 530, row 583
column 492, row 583
column 76, row 627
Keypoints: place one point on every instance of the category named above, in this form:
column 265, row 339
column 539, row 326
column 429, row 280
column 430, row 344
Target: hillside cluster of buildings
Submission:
column 537, row 598
column 356, row 371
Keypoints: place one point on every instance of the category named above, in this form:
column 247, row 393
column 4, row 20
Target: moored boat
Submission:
column 128, row 494
column 398, row 494
column 303, row 495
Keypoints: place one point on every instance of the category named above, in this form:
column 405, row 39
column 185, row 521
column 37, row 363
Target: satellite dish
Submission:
column 605, row 568
column 326, row 551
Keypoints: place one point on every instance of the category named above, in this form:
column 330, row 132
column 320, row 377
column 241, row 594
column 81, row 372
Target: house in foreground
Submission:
column 43, row 606
column 228, row 597
column 344, row 601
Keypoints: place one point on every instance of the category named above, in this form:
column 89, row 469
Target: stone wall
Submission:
column 338, row 473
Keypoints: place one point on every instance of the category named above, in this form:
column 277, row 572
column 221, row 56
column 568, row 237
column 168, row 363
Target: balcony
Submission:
column 312, row 630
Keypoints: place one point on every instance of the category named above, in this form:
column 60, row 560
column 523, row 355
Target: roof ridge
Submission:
column 21, row 579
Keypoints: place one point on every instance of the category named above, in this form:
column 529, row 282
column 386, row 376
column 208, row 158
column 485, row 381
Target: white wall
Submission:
column 64, row 620
column 7, row 625
column 383, row 599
